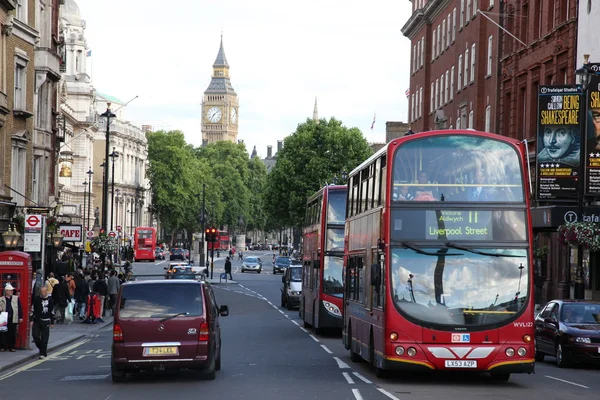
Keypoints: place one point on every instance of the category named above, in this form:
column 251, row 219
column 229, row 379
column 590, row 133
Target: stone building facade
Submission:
column 220, row 109
column 454, row 58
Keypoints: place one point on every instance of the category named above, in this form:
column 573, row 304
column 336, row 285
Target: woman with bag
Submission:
column 11, row 305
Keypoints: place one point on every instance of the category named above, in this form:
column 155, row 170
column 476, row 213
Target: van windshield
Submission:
column 159, row 300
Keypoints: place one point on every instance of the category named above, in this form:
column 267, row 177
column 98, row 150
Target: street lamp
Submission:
column 112, row 155
column 85, row 186
column 584, row 74
column 11, row 237
column 90, row 173
column 108, row 115
column 57, row 239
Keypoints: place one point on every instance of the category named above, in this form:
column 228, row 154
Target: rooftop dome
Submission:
column 71, row 8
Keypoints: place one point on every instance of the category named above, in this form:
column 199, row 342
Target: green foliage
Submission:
column 257, row 181
column 310, row 158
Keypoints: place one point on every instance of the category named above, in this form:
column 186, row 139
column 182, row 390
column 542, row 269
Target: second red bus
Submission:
column 144, row 241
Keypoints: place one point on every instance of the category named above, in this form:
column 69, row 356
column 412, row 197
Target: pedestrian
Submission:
column 51, row 282
column 228, row 268
column 81, row 293
column 10, row 304
column 101, row 288
column 113, row 288
column 60, row 299
column 42, row 320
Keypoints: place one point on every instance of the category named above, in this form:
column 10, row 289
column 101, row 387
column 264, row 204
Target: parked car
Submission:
column 162, row 325
column 280, row 264
column 292, row 287
column 570, row 331
column 252, row 264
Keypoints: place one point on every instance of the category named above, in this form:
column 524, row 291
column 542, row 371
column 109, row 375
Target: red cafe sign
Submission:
column 71, row 233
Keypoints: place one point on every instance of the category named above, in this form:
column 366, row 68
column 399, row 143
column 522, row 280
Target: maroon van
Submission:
column 166, row 324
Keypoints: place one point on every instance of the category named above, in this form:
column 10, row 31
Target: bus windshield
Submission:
column 144, row 239
column 457, row 168
column 336, row 211
column 453, row 287
column 332, row 276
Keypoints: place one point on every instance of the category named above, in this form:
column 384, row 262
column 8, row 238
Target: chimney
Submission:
column 269, row 151
column 279, row 145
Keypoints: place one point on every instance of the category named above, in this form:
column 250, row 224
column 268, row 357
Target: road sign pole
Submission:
column 43, row 248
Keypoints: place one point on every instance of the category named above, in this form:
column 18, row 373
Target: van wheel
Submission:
column 118, row 375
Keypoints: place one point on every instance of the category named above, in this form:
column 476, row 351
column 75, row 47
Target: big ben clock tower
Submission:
column 220, row 104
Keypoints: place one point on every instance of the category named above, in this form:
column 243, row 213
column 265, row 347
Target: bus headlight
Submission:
column 510, row 352
column 411, row 351
column 332, row 308
column 522, row 351
column 400, row 350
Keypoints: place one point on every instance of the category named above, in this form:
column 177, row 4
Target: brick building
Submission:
column 454, row 58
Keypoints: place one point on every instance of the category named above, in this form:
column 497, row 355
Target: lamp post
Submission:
column 118, row 200
column 585, row 75
column 112, row 155
column 108, row 115
column 85, row 186
column 90, row 173
column 11, row 237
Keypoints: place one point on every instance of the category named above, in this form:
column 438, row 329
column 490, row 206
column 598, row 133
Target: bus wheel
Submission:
column 355, row 357
column 501, row 377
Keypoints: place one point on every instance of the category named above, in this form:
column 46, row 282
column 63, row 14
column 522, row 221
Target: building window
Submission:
column 420, row 102
column 488, row 118
column 417, row 55
column 416, row 115
column 491, row 4
column 452, row 83
column 473, row 62
column 431, row 104
column 442, row 94
column 468, row 13
column 453, row 24
column 447, row 85
column 20, row 84
column 439, row 40
column 35, row 173
column 489, row 54
column 422, row 56
column 448, row 32
column 474, row 8
column 433, row 43
column 466, row 76
column 459, row 80
column 412, row 108
column 21, row 10
column 458, row 119
column 43, row 106
column 462, row 13
column 17, row 181
column 471, row 116
column 414, row 59
column 443, row 35
column 437, row 93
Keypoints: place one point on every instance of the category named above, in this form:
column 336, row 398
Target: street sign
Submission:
column 90, row 234
column 32, row 241
column 119, row 228
column 71, row 233
column 33, row 221
column 112, row 234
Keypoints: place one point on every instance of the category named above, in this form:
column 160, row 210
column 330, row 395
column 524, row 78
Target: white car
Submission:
column 252, row 264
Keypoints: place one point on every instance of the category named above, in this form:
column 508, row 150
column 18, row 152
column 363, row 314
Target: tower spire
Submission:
column 221, row 60
column 315, row 112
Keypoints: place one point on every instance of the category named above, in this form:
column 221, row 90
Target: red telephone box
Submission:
column 16, row 269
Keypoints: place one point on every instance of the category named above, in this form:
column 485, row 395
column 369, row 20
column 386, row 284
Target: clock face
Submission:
column 233, row 115
column 214, row 114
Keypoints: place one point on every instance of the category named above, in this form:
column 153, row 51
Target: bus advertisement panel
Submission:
column 323, row 256
column 438, row 266
column 144, row 244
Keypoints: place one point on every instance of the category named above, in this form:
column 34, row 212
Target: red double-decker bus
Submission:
column 144, row 241
column 222, row 242
column 323, row 258
column 438, row 265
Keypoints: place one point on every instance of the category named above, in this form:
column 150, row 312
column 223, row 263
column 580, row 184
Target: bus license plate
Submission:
column 461, row 364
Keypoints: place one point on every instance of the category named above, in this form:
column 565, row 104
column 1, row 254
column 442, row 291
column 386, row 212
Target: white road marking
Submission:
column 303, row 329
column 295, row 323
column 388, row 394
column 38, row 362
column 326, row 349
column 40, row 369
column 348, row 378
column 341, row 364
column 281, row 311
column 356, row 394
column 362, row 378
column 314, row 338
column 160, row 262
column 569, row 382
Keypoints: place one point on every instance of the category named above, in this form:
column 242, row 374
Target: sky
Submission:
column 350, row 55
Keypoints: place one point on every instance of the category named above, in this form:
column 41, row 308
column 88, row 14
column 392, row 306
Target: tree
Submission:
column 310, row 158
column 175, row 175
column 257, row 180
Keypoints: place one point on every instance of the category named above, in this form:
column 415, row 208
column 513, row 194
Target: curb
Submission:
column 56, row 346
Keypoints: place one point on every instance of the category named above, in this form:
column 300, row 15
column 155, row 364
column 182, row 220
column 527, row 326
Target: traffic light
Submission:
column 211, row 235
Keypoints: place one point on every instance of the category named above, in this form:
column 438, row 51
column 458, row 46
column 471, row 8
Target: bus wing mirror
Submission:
column 375, row 275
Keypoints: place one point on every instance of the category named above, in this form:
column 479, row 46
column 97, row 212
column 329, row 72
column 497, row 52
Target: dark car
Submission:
column 292, row 287
column 159, row 253
column 280, row 264
column 570, row 331
column 162, row 325
column 177, row 254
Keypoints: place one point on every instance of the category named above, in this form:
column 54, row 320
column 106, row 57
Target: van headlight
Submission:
column 332, row 308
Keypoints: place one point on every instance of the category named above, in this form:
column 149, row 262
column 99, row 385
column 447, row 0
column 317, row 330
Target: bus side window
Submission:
column 361, row 280
column 383, row 181
column 378, row 290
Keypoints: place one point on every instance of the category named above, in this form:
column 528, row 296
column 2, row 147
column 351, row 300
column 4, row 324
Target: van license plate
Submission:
column 461, row 364
column 161, row 351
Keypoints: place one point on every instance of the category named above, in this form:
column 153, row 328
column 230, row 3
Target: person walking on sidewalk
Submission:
column 228, row 268
column 42, row 320
column 50, row 283
column 60, row 299
column 101, row 288
column 113, row 288
column 10, row 304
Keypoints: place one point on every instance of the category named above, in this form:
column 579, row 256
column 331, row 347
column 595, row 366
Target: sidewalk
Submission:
column 60, row 336
column 216, row 281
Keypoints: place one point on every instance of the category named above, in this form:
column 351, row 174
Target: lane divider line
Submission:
column 357, row 394
column 326, row 349
column 341, row 364
column 388, row 394
column 348, row 378
column 314, row 337
column 362, row 378
column 564, row 381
